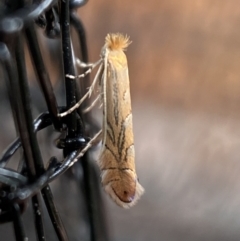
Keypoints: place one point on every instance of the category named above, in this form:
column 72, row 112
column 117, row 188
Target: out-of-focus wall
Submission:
column 184, row 53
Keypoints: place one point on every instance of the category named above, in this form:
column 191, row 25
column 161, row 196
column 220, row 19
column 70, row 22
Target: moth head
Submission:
column 125, row 191
column 117, row 41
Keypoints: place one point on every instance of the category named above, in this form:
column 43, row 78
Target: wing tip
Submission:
column 139, row 192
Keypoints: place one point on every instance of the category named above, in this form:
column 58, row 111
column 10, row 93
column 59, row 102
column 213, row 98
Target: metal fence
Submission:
column 19, row 21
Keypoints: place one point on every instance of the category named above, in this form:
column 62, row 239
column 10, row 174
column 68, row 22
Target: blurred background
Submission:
column 184, row 76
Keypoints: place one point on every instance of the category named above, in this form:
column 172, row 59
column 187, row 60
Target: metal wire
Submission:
column 18, row 22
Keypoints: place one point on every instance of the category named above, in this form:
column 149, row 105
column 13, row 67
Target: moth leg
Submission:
column 92, row 105
column 85, row 65
column 94, row 140
column 88, row 94
column 91, row 66
column 101, row 106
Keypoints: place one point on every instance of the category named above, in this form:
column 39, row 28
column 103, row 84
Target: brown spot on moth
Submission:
column 117, row 158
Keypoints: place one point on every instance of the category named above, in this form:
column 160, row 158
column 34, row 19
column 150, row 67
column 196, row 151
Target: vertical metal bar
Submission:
column 28, row 137
column 42, row 74
column 18, row 224
column 76, row 22
column 9, row 74
column 79, row 28
column 37, row 210
column 34, row 159
column 53, row 213
column 5, row 59
column 70, row 85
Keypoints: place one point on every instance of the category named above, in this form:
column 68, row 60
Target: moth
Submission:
column 117, row 155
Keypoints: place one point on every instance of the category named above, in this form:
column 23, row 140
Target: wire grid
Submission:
column 18, row 21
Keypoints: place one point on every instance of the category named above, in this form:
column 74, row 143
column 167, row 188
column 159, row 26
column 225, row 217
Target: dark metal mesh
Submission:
column 28, row 182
